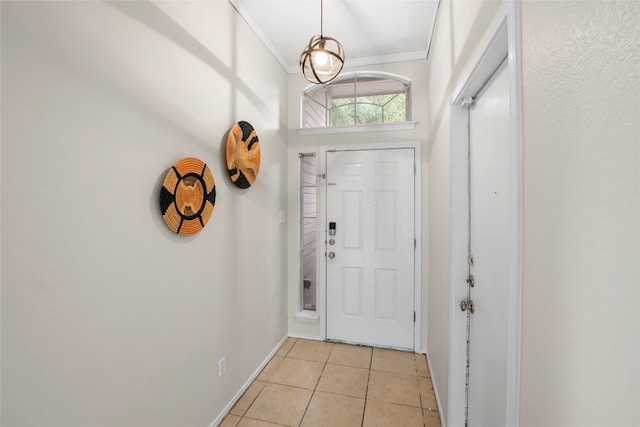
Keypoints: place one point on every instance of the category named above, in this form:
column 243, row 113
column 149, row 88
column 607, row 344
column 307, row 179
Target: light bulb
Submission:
column 320, row 58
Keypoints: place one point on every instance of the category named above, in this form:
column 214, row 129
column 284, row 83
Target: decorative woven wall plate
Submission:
column 188, row 196
column 243, row 154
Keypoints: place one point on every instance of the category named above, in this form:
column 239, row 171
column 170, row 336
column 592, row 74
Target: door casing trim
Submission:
column 322, row 188
column 502, row 39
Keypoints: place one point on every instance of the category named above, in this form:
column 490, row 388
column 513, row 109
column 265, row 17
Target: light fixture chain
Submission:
column 321, row 19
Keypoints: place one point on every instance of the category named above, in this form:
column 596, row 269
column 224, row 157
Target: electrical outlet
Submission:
column 222, row 366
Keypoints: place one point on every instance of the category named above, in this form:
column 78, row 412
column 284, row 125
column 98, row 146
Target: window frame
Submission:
column 303, row 216
column 405, row 125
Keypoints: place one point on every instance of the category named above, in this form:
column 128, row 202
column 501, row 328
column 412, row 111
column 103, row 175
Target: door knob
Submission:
column 332, row 255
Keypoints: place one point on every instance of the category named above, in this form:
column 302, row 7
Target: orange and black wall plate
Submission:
column 243, row 154
column 187, row 196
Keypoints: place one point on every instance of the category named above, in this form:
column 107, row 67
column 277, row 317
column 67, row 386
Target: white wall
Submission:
column 107, row 317
column 581, row 289
column 581, row 280
column 414, row 70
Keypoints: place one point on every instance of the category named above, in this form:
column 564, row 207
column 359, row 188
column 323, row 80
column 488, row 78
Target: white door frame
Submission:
column 502, row 40
column 322, row 232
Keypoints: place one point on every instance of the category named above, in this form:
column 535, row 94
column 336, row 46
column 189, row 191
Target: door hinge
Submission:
column 414, row 168
column 467, row 305
column 414, row 317
column 471, row 280
column 415, row 243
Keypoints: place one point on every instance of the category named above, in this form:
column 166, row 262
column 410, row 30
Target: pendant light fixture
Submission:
column 323, row 58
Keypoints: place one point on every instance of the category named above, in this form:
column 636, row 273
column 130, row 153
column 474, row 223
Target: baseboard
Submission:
column 246, row 385
column 435, row 391
column 306, row 337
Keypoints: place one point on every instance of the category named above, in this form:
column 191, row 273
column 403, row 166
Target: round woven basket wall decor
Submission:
column 187, row 196
column 243, row 154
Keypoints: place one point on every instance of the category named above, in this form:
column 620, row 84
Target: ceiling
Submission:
column 370, row 31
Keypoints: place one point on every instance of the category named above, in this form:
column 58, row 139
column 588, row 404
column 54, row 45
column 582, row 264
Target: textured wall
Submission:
column 581, row 324
column 107, row 317
column 581, row 301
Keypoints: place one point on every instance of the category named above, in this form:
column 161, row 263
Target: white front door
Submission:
column 370, row 258
column 492, row 237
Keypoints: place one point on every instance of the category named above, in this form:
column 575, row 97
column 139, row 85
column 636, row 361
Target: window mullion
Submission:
column 327, row 111
column 355, row 99
column 359, row 98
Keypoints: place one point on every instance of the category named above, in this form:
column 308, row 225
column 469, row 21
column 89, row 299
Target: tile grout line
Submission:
column 316, row 386
column 415, row 361
column 366, row 393
column 268, row 381
column 415, row 365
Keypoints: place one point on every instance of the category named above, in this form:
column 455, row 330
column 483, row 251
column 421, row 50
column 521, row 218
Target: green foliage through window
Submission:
column 366, row 110
column 359, row 99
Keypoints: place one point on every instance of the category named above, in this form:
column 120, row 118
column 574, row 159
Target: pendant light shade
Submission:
column 323, row 58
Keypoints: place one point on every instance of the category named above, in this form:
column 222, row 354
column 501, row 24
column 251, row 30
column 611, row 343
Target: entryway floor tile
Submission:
column 400, row 362
column 344, row 380
column 298, row 373
column 394, row 388
column 314, row 383
column 311, row 350
column 280, row 404
column 351, row 355
column 326, row 409
column 385, row 414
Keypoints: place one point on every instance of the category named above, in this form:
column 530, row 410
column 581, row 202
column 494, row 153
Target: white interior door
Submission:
column 491, row 247
column 370, row 258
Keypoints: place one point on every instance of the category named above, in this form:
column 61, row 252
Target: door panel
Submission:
column 385, row 294
column 370, row 278
column 352, row 292
column 352, row 202
column 491, row 201
column 385, row 214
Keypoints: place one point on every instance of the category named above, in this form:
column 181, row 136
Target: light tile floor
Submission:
column 313, row 383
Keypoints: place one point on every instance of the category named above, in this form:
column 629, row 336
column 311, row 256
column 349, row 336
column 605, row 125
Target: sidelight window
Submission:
column 308, row 229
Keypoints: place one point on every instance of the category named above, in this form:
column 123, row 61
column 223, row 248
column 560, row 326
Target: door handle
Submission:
column 331, row 255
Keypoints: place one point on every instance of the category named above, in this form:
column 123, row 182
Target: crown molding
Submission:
column 256, row 29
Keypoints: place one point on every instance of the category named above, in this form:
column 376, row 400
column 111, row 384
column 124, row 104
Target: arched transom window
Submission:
column 357, row 99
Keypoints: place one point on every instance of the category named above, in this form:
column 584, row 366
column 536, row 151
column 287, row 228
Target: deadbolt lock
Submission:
column 471, row 281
